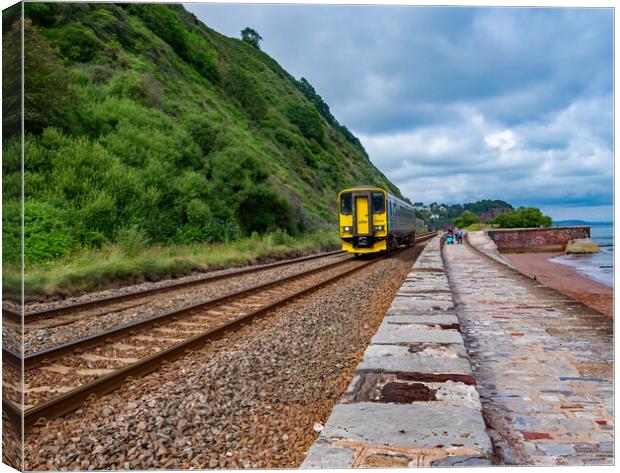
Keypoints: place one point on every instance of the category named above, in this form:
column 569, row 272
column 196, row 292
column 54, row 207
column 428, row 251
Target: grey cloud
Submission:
column 458, row 103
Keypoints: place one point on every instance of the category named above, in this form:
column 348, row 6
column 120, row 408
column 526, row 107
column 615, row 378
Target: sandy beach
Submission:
column 565, row 279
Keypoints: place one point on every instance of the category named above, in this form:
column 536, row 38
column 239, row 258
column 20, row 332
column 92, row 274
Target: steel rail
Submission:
column 30, row 317
column 33, row 360
column 73, row 399
column 14, row 414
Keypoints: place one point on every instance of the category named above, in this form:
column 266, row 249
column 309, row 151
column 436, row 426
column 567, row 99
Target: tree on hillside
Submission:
column 47, row 98
column 251, row 36
column 466, row 219
column 523, row 217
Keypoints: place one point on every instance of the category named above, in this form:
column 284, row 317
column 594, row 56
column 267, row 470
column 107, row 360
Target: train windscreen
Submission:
column 346, row 204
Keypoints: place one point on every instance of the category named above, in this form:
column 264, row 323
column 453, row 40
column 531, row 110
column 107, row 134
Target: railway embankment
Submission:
column 412, row 400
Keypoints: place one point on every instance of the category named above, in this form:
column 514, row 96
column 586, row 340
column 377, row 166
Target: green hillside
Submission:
column 145, row 126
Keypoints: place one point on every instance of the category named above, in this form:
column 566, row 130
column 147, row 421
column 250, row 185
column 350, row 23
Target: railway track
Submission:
column 66, row 313
column 60, row 379
column 86, row 320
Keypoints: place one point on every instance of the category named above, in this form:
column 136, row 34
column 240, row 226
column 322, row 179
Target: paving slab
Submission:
column 400, row 359
column 414, row 333
column 420, row 304
column 323, row 455
column 410, row 425
column 483, row 242
column 424, row 318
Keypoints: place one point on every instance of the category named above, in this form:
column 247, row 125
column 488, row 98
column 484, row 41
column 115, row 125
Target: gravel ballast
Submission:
column 97, row 320
column 256, row 398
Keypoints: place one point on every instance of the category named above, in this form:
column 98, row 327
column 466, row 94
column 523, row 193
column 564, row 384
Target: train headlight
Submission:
column 346, row 229
column 379, row 228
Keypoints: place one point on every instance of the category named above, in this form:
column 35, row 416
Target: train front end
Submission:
column 363, row 220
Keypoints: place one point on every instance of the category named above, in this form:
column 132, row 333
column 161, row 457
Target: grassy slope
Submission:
column 143, row 124
column 128, row 262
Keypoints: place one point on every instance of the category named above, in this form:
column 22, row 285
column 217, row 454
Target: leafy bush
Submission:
column 523, row 217
column 11, row 233
column 162, row 21
column 240, row 86
column 202, row 57
column 76, row 42
column 474, row 227
column 132, row 240
column 48, row 100
column 41, row 13
column 143, row 88
column 46, row 234
column 203, row 132
column 307, row 120
column 280, row 237
column 466, row 219
column 263, row 210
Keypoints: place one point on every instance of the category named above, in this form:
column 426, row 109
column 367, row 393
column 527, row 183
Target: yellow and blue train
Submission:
column 373, row 220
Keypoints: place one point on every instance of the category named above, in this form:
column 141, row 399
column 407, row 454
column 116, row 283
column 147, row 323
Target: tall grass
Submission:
column 127, row 262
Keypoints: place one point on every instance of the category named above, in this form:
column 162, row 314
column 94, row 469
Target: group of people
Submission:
column 455, row 236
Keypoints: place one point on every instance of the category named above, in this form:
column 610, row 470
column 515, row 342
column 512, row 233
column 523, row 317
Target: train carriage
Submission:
column 373, row 220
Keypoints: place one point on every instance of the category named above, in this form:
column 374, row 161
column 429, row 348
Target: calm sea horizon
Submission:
column 599, row 266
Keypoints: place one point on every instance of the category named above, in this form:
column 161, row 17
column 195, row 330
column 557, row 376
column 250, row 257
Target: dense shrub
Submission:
column 132, row 240
column 143, row 88
column 240, row 86
column 466, row 219
column 42, row 14
column 162, row 21
column 48, row 100
column 46, row 233
column 203, row 132
column 523, row 217
column 11, row 232
column 307, row 120
column 76, row 42
column 263, row 210
column 202, row 57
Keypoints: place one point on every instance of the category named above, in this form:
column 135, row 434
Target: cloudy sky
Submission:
column 459, row 104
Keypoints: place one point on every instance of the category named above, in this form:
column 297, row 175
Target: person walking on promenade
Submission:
column 459, row 237
column 450, row 237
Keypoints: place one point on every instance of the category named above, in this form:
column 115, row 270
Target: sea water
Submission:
column 598, row 266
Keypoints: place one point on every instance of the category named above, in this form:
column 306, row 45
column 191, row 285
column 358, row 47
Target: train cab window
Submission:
column 346, row 204
column 378, row 203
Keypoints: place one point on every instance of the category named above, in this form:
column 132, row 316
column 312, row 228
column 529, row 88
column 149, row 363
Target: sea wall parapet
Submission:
column 413, row 398
column 537, row 239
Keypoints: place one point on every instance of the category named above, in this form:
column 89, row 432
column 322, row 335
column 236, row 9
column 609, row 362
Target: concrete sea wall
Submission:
column 412, row 401
column 537, row 239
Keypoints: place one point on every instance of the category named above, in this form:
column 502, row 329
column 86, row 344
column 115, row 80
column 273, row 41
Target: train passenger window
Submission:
column 378, row 203
column 346, row 205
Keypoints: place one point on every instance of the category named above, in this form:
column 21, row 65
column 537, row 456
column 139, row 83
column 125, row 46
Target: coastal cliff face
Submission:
column 140, row 118
column 537, row 239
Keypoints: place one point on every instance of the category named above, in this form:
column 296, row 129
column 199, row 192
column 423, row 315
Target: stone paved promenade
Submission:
column 543, row 363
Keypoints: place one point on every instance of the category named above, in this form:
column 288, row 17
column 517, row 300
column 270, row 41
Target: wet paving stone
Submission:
column 543, row 363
